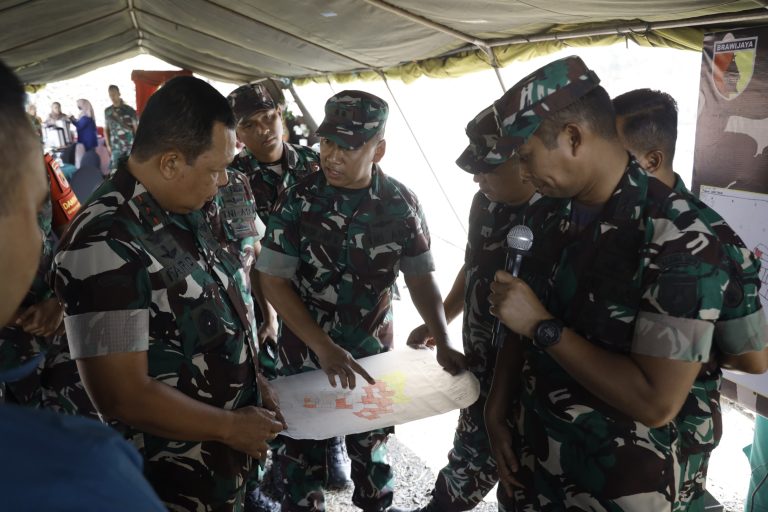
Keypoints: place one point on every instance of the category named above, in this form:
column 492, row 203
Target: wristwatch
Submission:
column 547, row 333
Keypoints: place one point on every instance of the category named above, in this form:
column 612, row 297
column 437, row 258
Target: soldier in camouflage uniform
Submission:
column 334, row 246
column 273, row 165
column 471, row 471
column 615, row 310
column 120, row 122
column 154, row 306
column 646, row 121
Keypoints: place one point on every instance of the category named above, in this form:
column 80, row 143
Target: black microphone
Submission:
column 519, row 243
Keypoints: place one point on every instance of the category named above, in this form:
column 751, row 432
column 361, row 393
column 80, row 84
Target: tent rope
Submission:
column 423, row 153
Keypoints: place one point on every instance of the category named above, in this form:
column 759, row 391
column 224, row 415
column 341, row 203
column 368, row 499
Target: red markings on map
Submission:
column 376, row 400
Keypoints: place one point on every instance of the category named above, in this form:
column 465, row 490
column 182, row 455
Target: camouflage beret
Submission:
column 483, row 133
column 248, row 99
column 352, row 118
column 520, row 111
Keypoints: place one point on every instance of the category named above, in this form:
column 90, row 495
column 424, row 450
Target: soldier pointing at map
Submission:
column 333, row 249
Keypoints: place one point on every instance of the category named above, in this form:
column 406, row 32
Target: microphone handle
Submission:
column 516, row 265
column 500, row 331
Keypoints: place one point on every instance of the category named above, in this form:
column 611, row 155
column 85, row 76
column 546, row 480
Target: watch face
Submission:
column 548, row 332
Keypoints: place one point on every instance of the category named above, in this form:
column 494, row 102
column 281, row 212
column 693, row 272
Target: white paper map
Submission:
column 410, row 385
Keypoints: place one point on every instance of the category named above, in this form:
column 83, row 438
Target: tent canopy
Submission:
column 243, row 40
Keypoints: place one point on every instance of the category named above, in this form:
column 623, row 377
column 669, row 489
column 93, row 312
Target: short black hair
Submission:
column 113, row 87
column 650, row 120
column 180, row 116
column 17, row 136
column 594, row 109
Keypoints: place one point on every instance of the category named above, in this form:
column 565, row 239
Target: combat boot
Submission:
column 337, row 464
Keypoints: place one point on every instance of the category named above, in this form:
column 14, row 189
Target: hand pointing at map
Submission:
column 335, row 361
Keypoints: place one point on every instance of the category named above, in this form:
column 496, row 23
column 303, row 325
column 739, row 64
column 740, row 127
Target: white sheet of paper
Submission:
column 410, row 385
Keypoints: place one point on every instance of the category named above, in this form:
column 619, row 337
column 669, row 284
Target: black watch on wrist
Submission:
column 548, row 333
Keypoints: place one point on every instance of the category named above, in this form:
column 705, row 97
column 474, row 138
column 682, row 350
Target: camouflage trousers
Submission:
column 303, row 464
column 471, row 471
column 117, row 155
column 195, row 477
column 55, row 384
column 692, row 491
column 700, row 428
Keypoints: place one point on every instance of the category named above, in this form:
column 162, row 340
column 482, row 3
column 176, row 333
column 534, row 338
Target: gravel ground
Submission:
column 413, row 483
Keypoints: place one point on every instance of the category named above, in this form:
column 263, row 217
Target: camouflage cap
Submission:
column 520, row 111
column 248, row 99
column 352, row 118
column 483, row 133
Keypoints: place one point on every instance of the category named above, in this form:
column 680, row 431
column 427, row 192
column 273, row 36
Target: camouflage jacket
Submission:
column 740, row 328
column 343, row 249
column 233, row 220
column 119, row 121
column 646, row 278
column 489, row 224
column 134, row 277
column 297, row 162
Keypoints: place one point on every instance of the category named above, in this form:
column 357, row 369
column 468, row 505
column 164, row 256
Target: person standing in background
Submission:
column 120, row 123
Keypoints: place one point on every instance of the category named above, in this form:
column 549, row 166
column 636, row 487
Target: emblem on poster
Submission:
column 734, row 64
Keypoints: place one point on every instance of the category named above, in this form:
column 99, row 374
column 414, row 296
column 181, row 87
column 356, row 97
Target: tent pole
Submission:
column 501, row 81
column 423, row 153
column 311, row 124
column 495, row 64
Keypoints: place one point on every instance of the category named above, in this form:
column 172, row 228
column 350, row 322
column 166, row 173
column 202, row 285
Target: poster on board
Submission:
column 730, row 170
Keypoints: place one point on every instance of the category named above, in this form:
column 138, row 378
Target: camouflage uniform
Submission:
column 699, row 421
column 233, row 220
column 471, row 471
column 267, row 185
column 120, row 121
column 343, row 250
column 134, row 277
column 296, row 163
column 629, row 283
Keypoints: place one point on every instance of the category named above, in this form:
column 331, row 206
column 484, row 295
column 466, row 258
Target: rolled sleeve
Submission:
column 107, row 332
column 742, row 335
column 669, row 337
column 277, row 263
column 420, row 264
